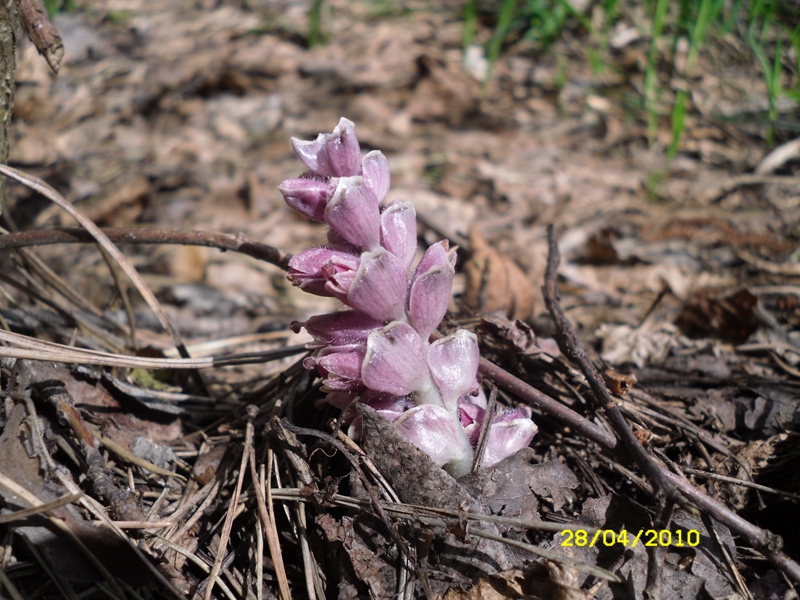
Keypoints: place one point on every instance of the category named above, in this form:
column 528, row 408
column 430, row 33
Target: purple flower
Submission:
column 340, row 366
column 336, row 154
column 375, row 169
column 430, row 289
column 354, row 214
column 313, row 269
column 433, row 430
column 395, row 360
column 379, row 286
column 510, row 431
column 339, row 328
column 454, row 365
column 399, row 231
column 308, row 195
column 378, row 352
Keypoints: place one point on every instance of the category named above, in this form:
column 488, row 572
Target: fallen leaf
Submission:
column 495, row 283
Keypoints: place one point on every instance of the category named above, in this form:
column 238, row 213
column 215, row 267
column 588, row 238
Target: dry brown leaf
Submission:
column 728, row 315
column 495, row 283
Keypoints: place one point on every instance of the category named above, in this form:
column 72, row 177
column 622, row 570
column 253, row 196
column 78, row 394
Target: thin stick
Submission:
column 10, row 588
column 570, row 346
column 480, row 450
column 197, row 561
column 34, row 349
column 150, row 235
column 29, row 512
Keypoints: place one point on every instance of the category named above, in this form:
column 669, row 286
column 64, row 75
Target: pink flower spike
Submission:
column 429, row 296
column 434, row 430
column 308, row 196
column 307, row 269
column 510, row 432
column 379, row 286
column 334, row 154
column 353, row 213
column 375, row 169
column 340, row 328
column 454, row 365
column 395, row 360
column 399, row 231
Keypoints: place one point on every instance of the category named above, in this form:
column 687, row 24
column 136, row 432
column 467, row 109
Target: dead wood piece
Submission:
column 122, row 504
column 41, row 32
column 418, row 481
column 55, row 545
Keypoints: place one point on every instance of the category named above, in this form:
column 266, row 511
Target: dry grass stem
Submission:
column 232, row 507
column 266, row 512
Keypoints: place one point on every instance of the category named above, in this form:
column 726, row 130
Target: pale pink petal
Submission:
column 510, row 432
column 379, row 286
column 395, row 360
column 437, row 254
column 435, row 431
column 331, row 154
column 352, row 213
column 428, row 298
column 314, row 155
column 375, row 169
column 454, row 365
column 344, row 152
column 399, row 231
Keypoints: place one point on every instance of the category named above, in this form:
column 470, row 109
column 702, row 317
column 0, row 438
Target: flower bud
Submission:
column 399, row 231
column 395, row 360
column 334, row 154
column 379, row 286
column 341, row 328
column 311, row 270
column 341, row 367
column 453, row 363
column 309, row 197
column 353, row 213
column 433, row 430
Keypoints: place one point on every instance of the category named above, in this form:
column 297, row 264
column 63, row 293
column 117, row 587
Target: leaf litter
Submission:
column 681, row 275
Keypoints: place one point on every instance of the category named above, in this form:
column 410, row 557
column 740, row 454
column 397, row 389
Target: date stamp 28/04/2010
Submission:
column 647, row 537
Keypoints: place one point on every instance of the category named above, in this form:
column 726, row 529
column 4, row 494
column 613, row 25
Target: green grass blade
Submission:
column 651, row 72
column 500, row 31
